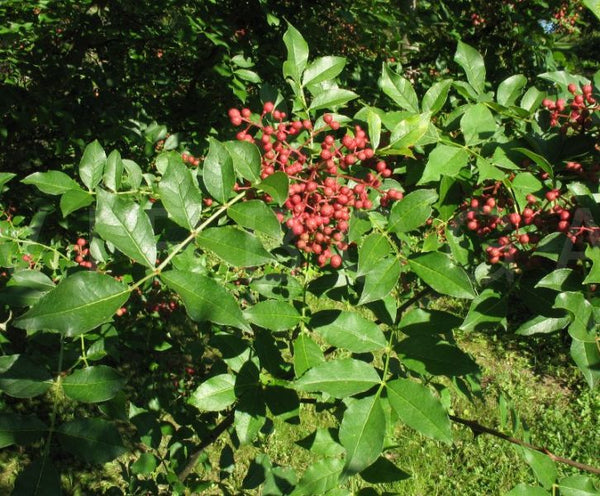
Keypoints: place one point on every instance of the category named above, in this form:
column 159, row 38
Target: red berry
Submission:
column 514, row 218
column 81, row 242
column 473, row 225
column 336, row 261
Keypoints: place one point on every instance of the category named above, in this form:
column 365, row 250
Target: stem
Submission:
column 35, row 243
column 178, row 248
column 408, row 303
column 57, row 383
column 477, row 428
column 83, row 352
column 206, row 441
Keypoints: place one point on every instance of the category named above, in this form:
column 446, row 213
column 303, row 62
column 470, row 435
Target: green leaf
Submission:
column 348, row 330
column 362, row 432
column 247, row 75
column 532, row 99
column 373, row 249
column 541, row 162
column 563, row 78
column 322, row 442
column 145, row 464
column 319, row 477
column 39, row 478
column 93, row 384
column 409, row 131
column 134, row 176
column 256, row 215
column 593, row 276
column 94, row 440
column 465, row 90
column 113, row 171
column 541, row 324
column 246, row 159
column 22, row 378
column 91, row 166
column 587, row 358
column 427, row 354
column 180, row 194
column 439, row 271
column 307, row 354
column 204, row 299
column 436, row 96
column 214, row 394
column 383, row 471
column 323, row 69
column 31, row 279
column 510, row 89
column 420, row 321
column 472, row 63
column 278, row 286
column 276, row 186
column 542, row 465
column 297, row 54
column 80, row 303
column 20, row 429
column 577, row 485
column 380, row 281
column 399, row 89
column 593, row 6
column 487, row 309
column 444, row 160
column 374, row 125
column 525, row 490
column 339, row 378
column 73, row 200
column 5, row 177
column 332, row 98
column 250, row 410
column 218, row 173
column 487, row 170
column 52, row 182
column 477, row 124
column 273, row 315
column 124, row 224
column 234, row 246
column 413, row 211
column 582, row 326
column 418, row 408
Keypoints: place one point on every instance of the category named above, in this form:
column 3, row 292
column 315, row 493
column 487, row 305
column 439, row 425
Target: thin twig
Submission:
column 477, row 428
column 408, row 303
column 207, row 441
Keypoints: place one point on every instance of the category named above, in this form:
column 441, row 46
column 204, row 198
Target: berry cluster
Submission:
column 82, row 253
column 575, row 114
column 566, row 16
column 190, row 159
column 328, row 178
column 477, row 20
column 513, row 234
column 157, row 300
